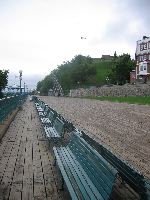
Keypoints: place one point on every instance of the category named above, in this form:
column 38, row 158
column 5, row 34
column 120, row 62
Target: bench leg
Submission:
column 61, row 187
column 54, row 161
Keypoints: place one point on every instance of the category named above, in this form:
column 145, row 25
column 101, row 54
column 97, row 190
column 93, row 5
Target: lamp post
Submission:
column 107, row 80
column 27, row 88
column 24, row 88
column 20, row 77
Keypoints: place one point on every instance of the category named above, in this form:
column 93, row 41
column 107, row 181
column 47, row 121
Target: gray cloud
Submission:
column 129, row 13
column 141, row 9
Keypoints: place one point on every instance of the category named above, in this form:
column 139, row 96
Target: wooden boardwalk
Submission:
column 26, row 163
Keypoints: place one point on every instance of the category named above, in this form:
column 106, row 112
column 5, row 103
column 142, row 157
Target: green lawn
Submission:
column 130, row 100
column 102, row 69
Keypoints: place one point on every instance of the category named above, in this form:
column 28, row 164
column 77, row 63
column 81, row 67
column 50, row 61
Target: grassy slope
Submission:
column 130, row 100
column 102, row 68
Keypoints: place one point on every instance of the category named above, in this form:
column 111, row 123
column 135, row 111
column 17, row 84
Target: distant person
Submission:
column 30, row 98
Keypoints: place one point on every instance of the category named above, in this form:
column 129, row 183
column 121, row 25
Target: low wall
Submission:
column 4, row 126
column 116, row 90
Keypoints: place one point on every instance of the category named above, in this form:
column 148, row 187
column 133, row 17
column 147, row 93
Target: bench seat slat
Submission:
column 42, row 114
column 76, row 147
column 90, row 174
column 81, row 155
column 45, row 120
column 51, row 132
column 87, row 183
column 64, row 173
column 93, row 177
column 75, row 179
column 110, row 168
column 40, row 109
column 94, row 172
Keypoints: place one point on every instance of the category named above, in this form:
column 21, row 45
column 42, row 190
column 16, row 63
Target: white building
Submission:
column 142, row 56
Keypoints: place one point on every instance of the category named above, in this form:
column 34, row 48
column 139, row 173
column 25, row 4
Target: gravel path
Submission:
column 124, row 128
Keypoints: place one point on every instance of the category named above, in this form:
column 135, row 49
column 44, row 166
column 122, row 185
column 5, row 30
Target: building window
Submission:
column 149, row 44
column 145, row 46
column 144, row 67
column 141, row 58
column 144, row 57
column 141, row 47
column 138, row 58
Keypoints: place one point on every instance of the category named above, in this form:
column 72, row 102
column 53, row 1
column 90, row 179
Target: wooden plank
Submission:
column 39, row 188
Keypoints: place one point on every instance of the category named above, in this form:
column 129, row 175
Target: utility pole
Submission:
column 20, row 77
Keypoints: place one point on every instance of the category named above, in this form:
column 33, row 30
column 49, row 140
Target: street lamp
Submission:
column 107, row 80
column 20, row 77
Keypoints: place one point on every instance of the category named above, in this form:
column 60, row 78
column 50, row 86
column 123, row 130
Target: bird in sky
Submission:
column 83, row 38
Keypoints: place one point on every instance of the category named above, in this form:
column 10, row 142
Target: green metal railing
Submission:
column 8, row 104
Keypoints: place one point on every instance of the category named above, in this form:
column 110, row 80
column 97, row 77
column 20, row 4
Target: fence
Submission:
column 8, row 104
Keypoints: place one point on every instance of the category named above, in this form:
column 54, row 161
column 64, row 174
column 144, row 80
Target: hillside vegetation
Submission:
column 84, row 72
column 131, row 100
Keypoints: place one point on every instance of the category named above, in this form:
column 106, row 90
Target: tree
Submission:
column 3, row 80
column 79, row 69
column 44, row 85
column 120, row 72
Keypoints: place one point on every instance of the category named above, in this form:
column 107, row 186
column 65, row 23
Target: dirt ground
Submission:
column 123, row 128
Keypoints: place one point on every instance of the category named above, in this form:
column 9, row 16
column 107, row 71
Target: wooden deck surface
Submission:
column 26, row 163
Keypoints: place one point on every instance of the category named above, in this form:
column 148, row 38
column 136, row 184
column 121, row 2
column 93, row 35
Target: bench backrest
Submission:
column 46, row 109
column 101, row 173
column 127, row 172
column 43, row 105
column 38, row 101
column 147, row 187
column 59, row 126
column 51, row 116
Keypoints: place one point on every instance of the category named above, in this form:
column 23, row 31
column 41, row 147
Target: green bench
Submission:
column 38, row 102
column 41, row 107
column 87, row 174
column 49, row 119
column 56, row 131
column 44, row 112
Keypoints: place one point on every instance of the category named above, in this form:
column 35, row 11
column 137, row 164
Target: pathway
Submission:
column 26, row 164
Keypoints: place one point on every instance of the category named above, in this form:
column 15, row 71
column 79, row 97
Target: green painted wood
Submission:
column 94, row 167
column 90, row 174
column 75, row 178
column 8, row 104
column 59, row 126
column 135, row 179
column 65, row 175
column 87, row 183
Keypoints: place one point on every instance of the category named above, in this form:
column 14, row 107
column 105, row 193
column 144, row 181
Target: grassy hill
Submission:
column 81, row 71
column 102, row 70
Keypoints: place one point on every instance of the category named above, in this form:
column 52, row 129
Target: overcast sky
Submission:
column 38, row 35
